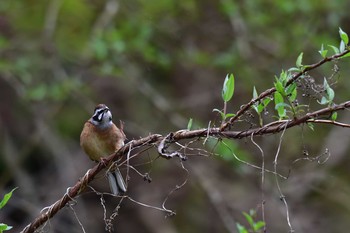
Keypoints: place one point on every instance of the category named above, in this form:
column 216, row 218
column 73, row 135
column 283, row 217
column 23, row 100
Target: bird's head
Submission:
column 102, row 116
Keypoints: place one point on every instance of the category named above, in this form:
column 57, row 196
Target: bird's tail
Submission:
column 116, row 182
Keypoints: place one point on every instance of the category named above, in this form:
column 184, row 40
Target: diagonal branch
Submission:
column 271, row 128
column 72, row 192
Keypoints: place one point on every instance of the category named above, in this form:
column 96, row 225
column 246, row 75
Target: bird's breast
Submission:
column 98, row 143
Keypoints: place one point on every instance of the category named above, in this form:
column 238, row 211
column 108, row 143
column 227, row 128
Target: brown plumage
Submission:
column 99, row 143
column 101, row 137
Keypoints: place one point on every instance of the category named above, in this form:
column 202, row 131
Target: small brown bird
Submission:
column 101, row 137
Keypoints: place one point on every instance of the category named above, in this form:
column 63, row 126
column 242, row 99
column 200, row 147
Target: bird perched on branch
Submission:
column 101, row 137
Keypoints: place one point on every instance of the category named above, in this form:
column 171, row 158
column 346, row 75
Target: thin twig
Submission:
column 282, row 197
column 330, row 122
column 262, row 180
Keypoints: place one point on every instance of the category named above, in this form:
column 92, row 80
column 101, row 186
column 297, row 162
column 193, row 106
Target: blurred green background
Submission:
column 156, row 64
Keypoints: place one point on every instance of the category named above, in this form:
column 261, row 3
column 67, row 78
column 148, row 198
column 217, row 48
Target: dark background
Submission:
column 157, row 64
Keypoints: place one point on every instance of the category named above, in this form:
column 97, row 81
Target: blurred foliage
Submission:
column 155, row 64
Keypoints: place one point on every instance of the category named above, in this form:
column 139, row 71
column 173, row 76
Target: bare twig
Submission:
column 282, row 197
column 262, row 179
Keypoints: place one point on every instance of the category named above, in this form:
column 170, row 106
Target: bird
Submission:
column 99, row 138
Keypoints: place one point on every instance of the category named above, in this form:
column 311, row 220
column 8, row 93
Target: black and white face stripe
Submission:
column 102, row 116
column 99, row 113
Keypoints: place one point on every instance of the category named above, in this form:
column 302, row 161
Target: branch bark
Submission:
column 217, row 132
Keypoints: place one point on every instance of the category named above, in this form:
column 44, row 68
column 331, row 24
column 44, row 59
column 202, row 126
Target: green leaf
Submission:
column 258, row 225
column 260, row 108
column 255, row 107
column 279, row 105
column 217, row 110
column 249, row 219
column 228, row 88
column 311, row 126
column 241, row 229
column 323, row 52
column 282, row 105
column 291, row 88
column 342, row 46
column 334, row 116
column 329, row 91
column 291, row 92
column 255, row 93
column 4, row 227
column 293, row 95
column 283, row 77
column 330, row 94
column 344, row 37
column 335, row 49
column 299, row 60
column 189, row 124
column 6, row 198
column 278, row 98
column 293, row 69
column 323, row 101
column 221, row 113
column 279, row 87
column 229, row 115
column 266, row 101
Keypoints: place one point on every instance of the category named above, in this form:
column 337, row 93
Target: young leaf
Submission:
column 344, row 37
column 6, row 198
column 255, row 107
column 249, row 219
column 228, row 115
column 219, row 111
column 255, row 93
column 266, row 101
column 329, row 90
column 330, row 94
column 293, row 95
column 189, row 124
column 4, row 227
column 335, row 49
column 323, row 52
column 260, row 108
column 241, row 229
column 299, row 60
column 334, row 116
column 279, row 87
column 293, row 69
column 323, row 101
column 258, row 225
column 311, row 126
column 279, row 105
column 283, row 77
column 228, row 88
column 342, row 46
column 291, row 88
